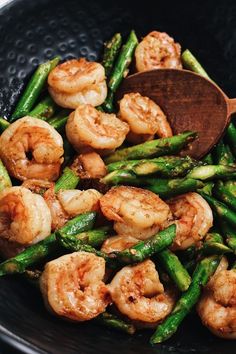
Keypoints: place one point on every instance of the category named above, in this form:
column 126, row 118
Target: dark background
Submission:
column 34, row 31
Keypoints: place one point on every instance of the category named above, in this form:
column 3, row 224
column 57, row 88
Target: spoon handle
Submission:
column 231, row 106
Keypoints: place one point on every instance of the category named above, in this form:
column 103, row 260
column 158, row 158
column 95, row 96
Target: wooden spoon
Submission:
column 189, row 101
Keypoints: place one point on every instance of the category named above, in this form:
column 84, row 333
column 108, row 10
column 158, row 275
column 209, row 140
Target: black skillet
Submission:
column 32, row 31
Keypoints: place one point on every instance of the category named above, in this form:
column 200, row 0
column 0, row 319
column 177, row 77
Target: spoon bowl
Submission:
column 189, row 101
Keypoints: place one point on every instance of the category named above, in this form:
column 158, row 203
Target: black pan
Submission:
column 32, row 31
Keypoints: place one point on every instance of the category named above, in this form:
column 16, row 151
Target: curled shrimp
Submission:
column 144, row 116
column 73, row 287
column 58, row 214
column 88, row 127
column 32, row 136
column 76, row 202
column 156, row 51
column 24, row 216
column 217, row 306
column 118, row 243
column 136, row 211
column 138, row 293
column 76, row 82
column 89, row 165
column 194, row 219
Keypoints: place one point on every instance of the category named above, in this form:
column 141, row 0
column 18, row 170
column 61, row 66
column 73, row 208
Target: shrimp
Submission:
column 76, row 82
column 118, row 243
column 156, row 51
column 88, row 127
column 138, row 293
column 58, row 214
column 135, row 210
column 73, row 287
column 76, row 202
column 217, row 306
column 194, row 219
column 144, row 116
column 89, row 165
column 24, row 216
column 34, row 137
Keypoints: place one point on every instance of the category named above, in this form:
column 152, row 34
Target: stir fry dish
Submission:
column 100, row 208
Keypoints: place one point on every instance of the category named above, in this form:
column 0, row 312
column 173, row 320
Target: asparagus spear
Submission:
column 222, row 154
column 190, row 62
column 207, row 188
column 225, row 195
column 138, row 253
column 231, row 137
column 68, row 180
column 220, row 209
column 45, row 108
column 5, row 180
column 175, row 269
column 120, row 69
column 166, row 166
column 213, row 244
column 58, row 123
column 111, row 50
column 95, row 237
column 168, row 188
column 229, row 234
column 208, row 159
column 153, row 148
column 209, row 172
column 42, row 249
column 4, row 124
column 112, row 321
column 188, row 299
column 33, row 89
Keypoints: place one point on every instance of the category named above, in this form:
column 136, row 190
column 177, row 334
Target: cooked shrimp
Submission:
column 217, row 307
column 58, row 214
column 118, row 243
column 138, row 293
column 76, row 202
column 73, row 287
column 37, row 185
column 135, row 209
column 94, row 95
column 144, row 116
column 89, row 165
column 194, row 219
column 87, row 127
column 32, row 136
column 24, row 216
column 156, row 51
column 76, row 82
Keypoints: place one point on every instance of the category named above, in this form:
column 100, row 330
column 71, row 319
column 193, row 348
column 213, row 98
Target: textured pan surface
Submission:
column 33, row 31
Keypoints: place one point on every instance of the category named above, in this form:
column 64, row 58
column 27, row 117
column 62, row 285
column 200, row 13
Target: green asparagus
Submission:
column 120, row 69
column 33, row 89
column 175, row 269
column 166, row 166
column 208, row 159
column 222, row 154
column 209, row 172
column 138, row 253
column 153, row 148
column 4, row 124
column 42, row 249
column 220, row 209
column 58, row 123
column 191, row 63
column 229, row 234
column 231, row 137
column 45, row 108
column 213, row 245
column 168, row 188
column 5, row 180
column 112, row 321
column 111, row 50
column 68, row 180
column 95, row 237
column 225, row 195
column 188, row 299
